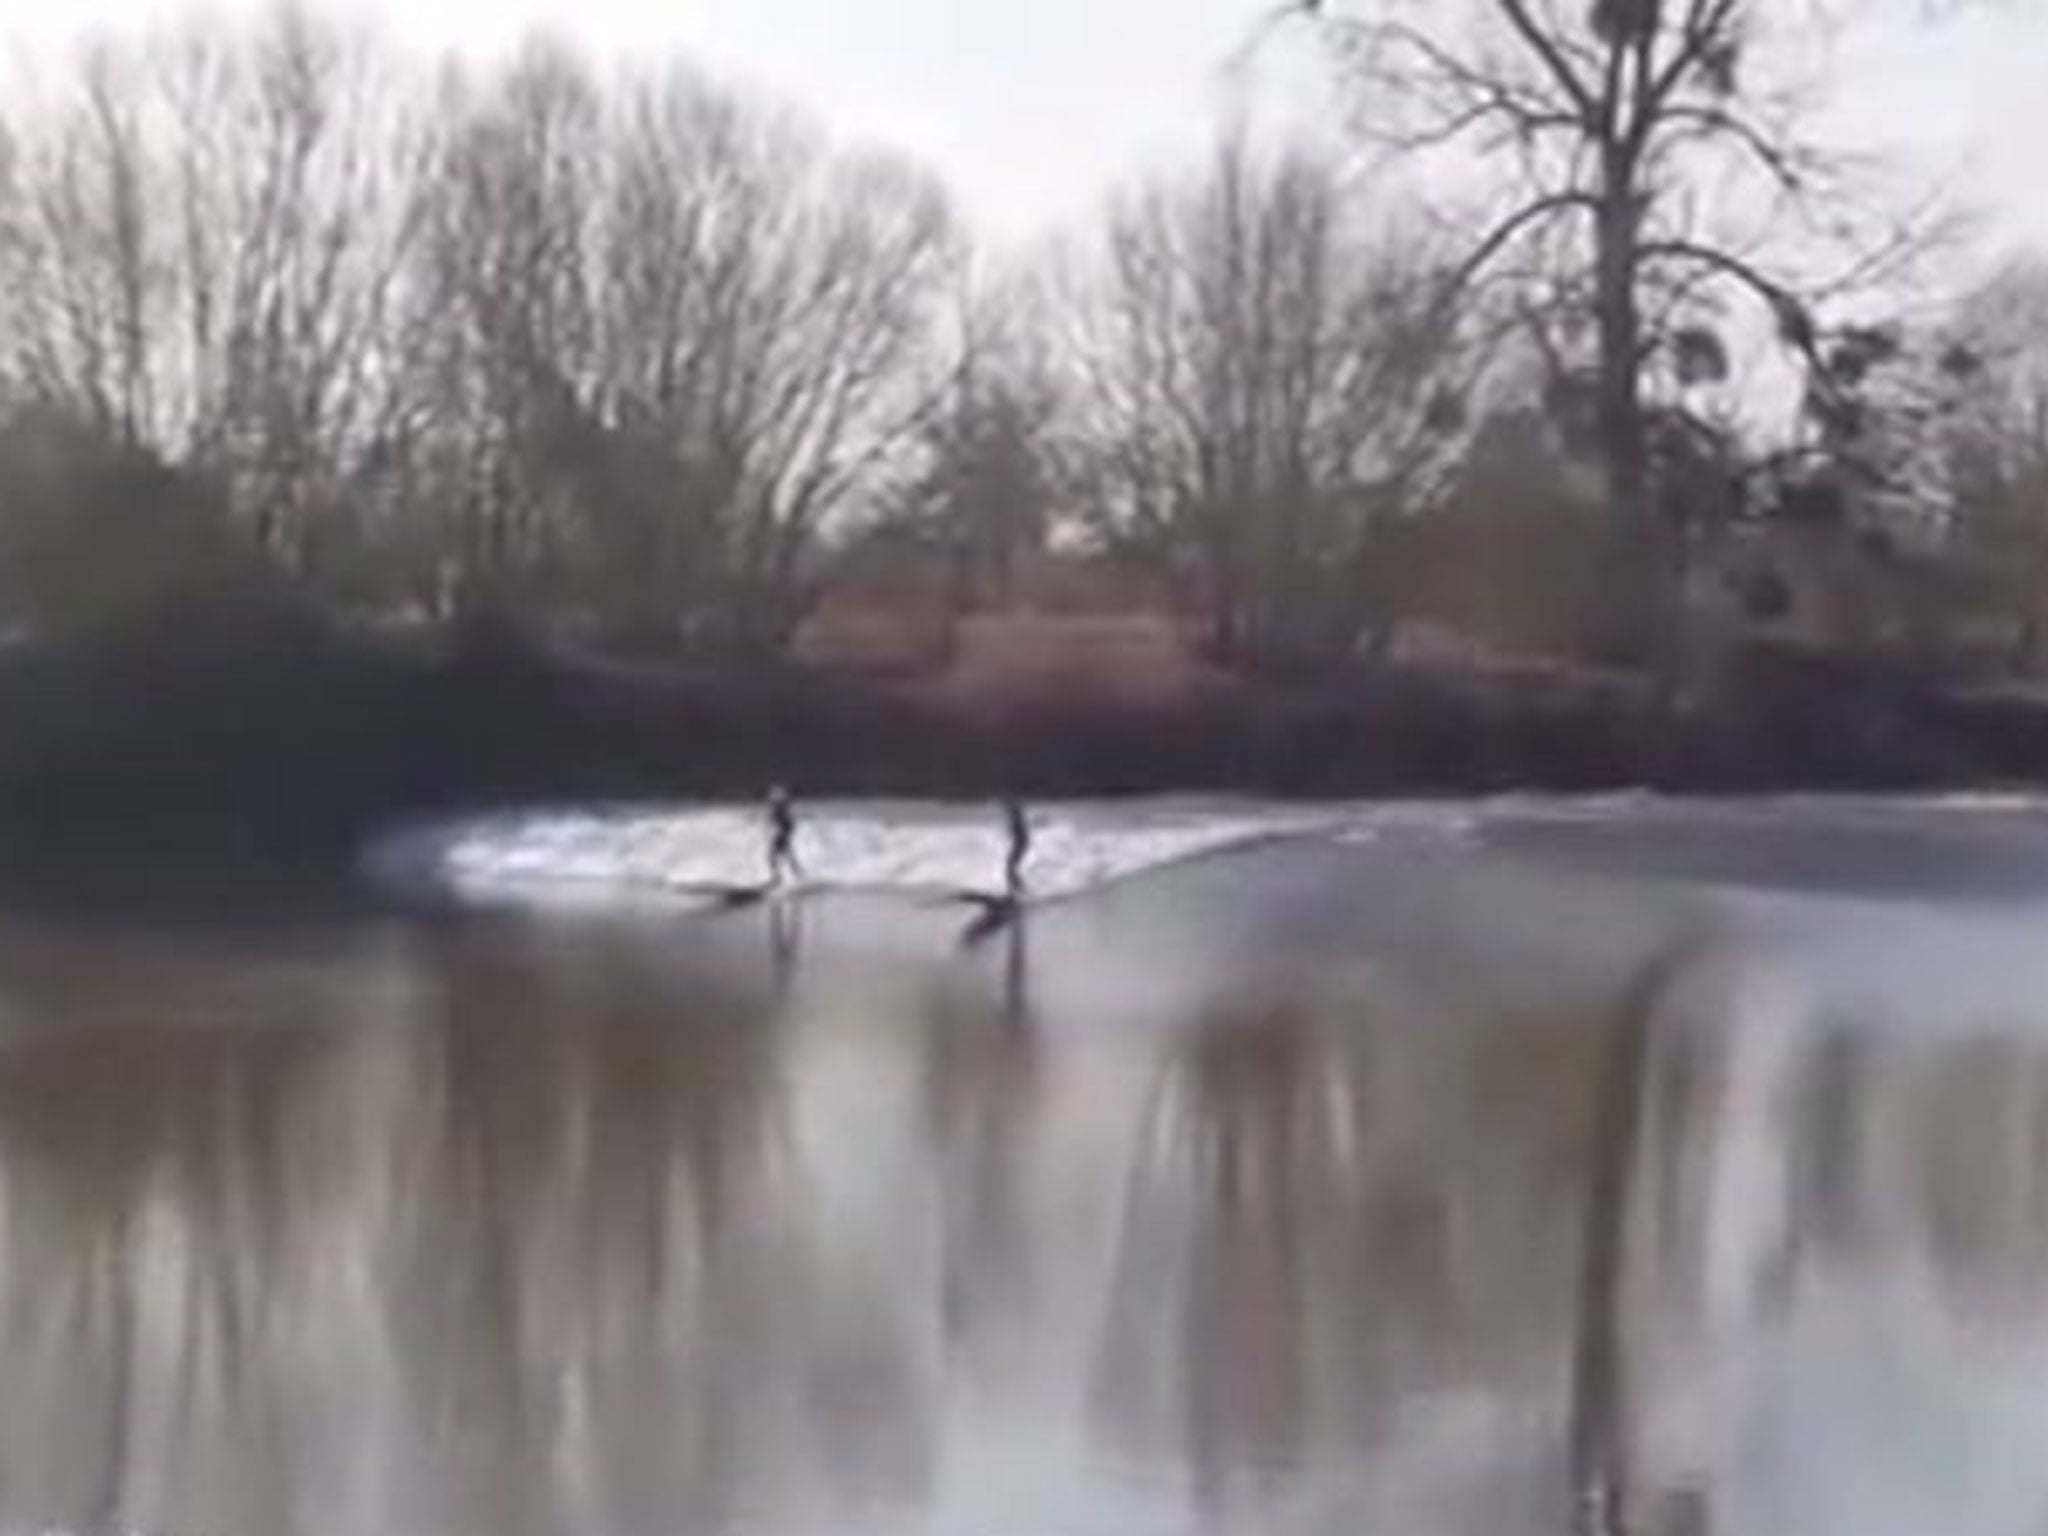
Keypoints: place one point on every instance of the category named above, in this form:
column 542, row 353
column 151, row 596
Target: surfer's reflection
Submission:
column 1017, row 1013
column 986, row 1080
column 1014, row 1000
column 785, row 944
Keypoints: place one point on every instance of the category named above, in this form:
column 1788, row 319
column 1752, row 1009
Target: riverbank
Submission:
column 222, row 747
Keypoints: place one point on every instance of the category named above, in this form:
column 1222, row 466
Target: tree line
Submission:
column 638, row 353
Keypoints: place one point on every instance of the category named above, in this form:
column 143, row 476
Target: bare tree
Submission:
column 200, row 253
column 804, row 360
column 769, row 308
column 684, row 335
column 83, row 287
column 1259, row 397
column 1988, row 373
column 1645, row 148
column 991, row 479
column 502, row 294
column 297, row 214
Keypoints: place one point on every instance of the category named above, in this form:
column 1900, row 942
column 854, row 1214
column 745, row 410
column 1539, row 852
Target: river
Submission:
column 1446, row 1168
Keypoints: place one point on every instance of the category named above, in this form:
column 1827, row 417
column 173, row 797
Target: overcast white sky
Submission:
column 1031, row 108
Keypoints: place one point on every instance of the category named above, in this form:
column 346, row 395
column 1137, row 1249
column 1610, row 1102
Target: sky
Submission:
column 1033, row 109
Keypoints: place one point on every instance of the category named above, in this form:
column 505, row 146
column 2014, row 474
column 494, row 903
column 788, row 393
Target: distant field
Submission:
column 1135, row 658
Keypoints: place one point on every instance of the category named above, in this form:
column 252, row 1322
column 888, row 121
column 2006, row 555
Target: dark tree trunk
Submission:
column 1620, row 338
column 1624, row 438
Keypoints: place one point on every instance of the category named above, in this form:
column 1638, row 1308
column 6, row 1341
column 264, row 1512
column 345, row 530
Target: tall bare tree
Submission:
column 503, row 296
column 84, row 285
column 992, row 477
column 1642, row 147
column 686, row 335
column 201, row 246
column 782, row 353
column 1259, row 398
column 1988, row 373
column 297, row 212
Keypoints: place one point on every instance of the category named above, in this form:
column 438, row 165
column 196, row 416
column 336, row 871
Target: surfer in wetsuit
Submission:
column 782, row 860
column 1017, row 825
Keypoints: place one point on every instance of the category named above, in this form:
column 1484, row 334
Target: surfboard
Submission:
column 739, row 898
column 733, row 898
column 975, row 896
column 997, row 913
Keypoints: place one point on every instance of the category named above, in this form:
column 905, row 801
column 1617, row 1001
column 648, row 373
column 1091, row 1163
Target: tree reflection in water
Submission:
column 1338, row 1212
column 482, row 1227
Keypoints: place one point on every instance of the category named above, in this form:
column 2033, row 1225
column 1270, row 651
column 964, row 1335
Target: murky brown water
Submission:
column 491, row 1227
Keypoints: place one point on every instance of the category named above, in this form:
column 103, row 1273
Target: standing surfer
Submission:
column 783, row 864
column 1017, row 825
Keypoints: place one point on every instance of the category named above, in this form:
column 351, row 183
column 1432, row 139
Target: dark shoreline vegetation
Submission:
column 239, row 752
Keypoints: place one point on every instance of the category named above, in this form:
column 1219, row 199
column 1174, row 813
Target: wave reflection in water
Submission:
column 487, row 1226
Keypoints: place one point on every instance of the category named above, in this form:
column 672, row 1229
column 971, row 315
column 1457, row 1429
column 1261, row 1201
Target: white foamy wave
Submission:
column 689, row 855
column 2008, row 802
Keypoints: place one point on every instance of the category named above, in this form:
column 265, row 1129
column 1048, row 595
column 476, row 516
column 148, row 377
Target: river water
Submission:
column 1487, row 1168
